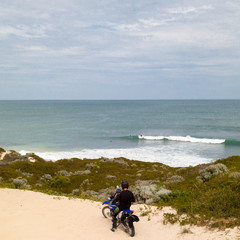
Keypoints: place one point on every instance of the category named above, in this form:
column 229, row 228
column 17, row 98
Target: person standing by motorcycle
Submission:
column 124, row 199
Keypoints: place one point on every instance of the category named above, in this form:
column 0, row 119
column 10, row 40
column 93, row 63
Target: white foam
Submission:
column 169, row 155
column 183, row 139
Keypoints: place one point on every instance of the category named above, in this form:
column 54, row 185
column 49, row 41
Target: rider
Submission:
column 124, row 199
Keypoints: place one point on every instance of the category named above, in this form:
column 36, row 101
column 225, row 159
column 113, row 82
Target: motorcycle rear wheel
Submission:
column 131, row 231
column 129, row 228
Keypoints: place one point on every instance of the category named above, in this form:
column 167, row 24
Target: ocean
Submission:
column 173, row 132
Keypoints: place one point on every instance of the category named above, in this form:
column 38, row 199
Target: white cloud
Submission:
column 187, row 10
column 25, row 31
column 155, row 23
column 40, row 49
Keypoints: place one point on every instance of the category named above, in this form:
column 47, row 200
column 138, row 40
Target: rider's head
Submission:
column 124, row 184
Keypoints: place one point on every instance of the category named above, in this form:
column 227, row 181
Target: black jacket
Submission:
column 125, row 199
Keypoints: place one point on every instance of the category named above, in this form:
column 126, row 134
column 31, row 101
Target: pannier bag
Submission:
column 133, row 218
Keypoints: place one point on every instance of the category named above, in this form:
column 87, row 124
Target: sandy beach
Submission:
column 30, row 215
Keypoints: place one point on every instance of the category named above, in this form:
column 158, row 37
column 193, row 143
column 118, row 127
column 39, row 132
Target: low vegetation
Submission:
column 204, row 194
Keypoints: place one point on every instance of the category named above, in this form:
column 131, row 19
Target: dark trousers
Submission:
column 114, row 217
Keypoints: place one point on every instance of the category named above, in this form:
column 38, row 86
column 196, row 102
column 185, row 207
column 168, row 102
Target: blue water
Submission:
column 175, row 132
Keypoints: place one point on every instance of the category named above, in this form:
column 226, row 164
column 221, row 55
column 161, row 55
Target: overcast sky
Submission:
column 125, row 49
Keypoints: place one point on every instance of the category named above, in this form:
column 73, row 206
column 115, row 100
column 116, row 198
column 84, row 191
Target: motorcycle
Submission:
column 125, row 218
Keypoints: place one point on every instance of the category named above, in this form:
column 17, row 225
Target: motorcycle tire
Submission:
column 106, row 212
column 131, row 231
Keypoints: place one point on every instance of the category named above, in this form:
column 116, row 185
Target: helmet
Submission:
column 124, row 184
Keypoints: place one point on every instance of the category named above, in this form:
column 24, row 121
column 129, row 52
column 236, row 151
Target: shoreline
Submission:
column 38, row 216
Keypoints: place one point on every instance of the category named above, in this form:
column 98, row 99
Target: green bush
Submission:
column 60, row 182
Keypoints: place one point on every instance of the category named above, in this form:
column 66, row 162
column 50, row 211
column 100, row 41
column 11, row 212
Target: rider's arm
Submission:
column 116, row 199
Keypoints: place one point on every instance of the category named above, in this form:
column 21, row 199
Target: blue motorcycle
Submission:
column 125, row 218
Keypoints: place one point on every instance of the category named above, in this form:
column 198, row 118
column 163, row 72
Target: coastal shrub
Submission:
column 82, row 172
column 173, row 195
column 8, row 173
column 162, row 194
column 89, row 166
column 75, row 191
column 19, row 182
column 146, row 192
column 234, row 175
column 1, row 179
column 2, row 150
column 64, row 173
column 46, row 177
column 25, row 173
column 60, row 182
column 170, row 217
column 22, row 158
column 180, row 170
column 211, row 171
column 174, row 179
column 85, row 182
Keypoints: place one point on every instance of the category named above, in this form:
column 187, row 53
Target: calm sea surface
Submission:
column 174, row 132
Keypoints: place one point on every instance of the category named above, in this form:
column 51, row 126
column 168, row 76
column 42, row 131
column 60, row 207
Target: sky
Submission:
column 125, row 49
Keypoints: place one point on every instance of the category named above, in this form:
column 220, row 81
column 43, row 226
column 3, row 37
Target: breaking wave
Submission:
column 182, row 139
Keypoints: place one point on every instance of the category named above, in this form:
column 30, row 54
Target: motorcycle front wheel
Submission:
column 106, row 212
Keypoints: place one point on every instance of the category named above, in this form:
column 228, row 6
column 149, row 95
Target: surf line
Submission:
column 182, row 139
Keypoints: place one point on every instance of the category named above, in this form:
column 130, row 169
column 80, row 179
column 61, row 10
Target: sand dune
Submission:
column 26, row 215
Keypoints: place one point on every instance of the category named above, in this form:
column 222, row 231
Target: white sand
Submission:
column 26, row 215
